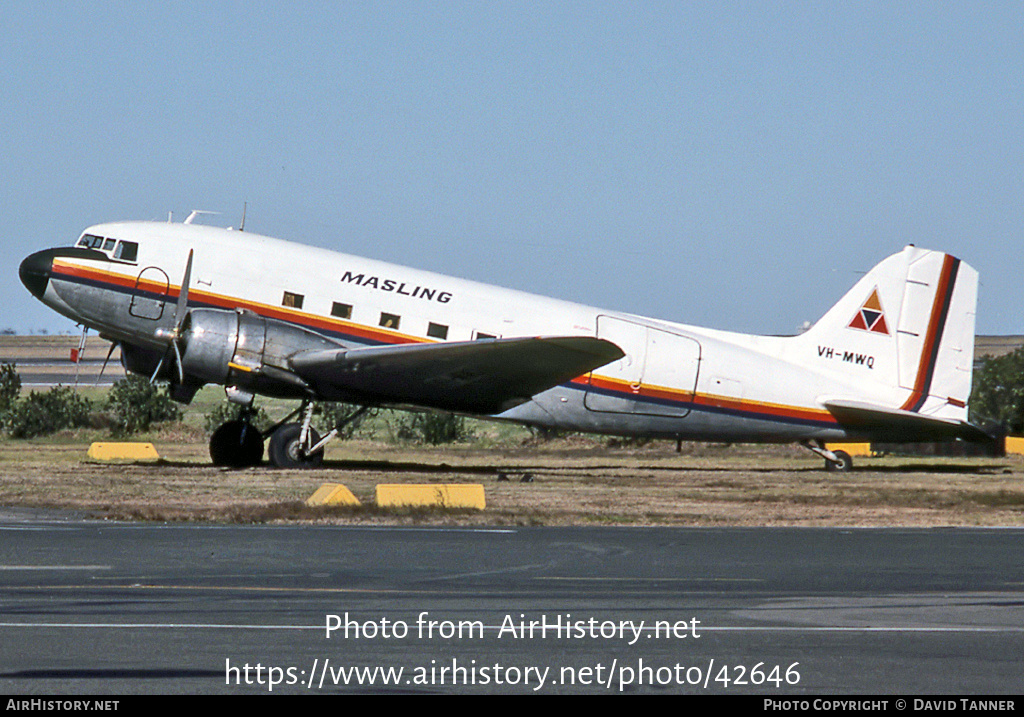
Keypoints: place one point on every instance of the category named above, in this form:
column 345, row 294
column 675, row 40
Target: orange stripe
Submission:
column 709, row 400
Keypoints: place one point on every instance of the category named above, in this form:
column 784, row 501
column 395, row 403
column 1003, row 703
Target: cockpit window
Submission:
column 127, row 251
column 122, row 250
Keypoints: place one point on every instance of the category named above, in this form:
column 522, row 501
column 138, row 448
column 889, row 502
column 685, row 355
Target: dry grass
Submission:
column 577, row 481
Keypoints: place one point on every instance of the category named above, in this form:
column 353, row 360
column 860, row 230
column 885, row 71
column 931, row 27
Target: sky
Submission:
column 736, row 165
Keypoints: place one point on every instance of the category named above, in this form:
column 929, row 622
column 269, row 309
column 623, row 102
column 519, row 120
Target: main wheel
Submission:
column 287, row 452
column 236, row 444
column 844, row 462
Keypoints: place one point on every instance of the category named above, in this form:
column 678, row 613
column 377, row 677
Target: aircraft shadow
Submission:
column 513, row 470
column 568, row 467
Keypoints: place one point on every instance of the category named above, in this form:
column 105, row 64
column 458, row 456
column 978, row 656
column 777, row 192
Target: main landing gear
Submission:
column 834, row 460
column 239, row 444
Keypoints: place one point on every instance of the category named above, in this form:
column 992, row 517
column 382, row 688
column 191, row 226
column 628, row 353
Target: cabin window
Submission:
column 127, row 251
column 437, row 331
column 292, row 300
column 389, row 321
column 342, row 311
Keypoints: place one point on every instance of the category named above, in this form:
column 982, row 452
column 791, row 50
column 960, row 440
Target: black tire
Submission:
column 236, row 444
column 845, row 462
column 285, row 451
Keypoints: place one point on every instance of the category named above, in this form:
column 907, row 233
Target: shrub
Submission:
column 998, row 393
column 43, row 413
column 10, row 387
column 434, row 428
column 228, row 411
column 330, row 414
column 543, row 434
column 136, row 404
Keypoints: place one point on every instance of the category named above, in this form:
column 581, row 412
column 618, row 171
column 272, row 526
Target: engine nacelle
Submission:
column 245, row 350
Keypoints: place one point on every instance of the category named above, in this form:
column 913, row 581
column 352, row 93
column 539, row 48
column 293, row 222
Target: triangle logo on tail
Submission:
column 870, row 317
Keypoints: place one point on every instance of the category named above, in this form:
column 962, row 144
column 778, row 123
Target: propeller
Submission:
column 174, row 335
column 113, row 345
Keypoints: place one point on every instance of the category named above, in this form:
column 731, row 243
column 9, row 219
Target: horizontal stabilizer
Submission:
column 484, row 377
column 894, row 425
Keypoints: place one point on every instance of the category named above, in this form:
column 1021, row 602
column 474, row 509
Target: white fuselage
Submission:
column 675, row 381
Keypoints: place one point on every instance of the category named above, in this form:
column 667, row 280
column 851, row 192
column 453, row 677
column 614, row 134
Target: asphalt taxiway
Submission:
column 91, row 607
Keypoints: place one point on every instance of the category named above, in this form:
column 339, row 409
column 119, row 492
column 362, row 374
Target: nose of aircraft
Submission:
column 35, row 272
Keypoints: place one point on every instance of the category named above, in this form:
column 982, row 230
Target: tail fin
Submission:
column 912, row 319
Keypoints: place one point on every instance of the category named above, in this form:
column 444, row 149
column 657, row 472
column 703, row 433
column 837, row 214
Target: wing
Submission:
column 895, row 425
column 485, row 377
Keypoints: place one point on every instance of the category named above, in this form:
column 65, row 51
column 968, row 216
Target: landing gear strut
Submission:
column 288, row 450
column 299, row 445
column 239, row 444
column 834, row 460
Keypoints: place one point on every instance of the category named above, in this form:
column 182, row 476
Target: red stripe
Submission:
column 231, row 303
column 935, row 324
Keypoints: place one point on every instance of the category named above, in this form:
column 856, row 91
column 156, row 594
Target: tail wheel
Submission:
column 287, row 451
column 236, row 444
column 842, row 463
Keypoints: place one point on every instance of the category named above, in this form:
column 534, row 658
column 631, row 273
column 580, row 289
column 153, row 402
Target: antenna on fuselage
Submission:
column 195, row 213
column 241, row 227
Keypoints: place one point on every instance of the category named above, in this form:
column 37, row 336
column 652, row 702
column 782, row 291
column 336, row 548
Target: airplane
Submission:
column 891, row 361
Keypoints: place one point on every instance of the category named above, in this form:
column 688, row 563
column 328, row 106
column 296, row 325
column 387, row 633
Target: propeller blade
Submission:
column 105, row 362
column 177, row 361
column 160, row 363
column 180, row 311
